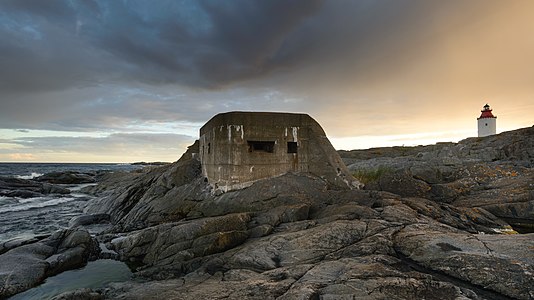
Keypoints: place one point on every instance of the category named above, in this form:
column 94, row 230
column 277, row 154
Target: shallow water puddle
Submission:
column 96, row 274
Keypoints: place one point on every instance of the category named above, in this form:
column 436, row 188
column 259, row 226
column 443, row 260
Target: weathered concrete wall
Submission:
column 230, row 160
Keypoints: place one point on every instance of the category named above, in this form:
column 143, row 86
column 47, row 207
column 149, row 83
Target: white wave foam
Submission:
column 32, row 203
column 80, row 186
column 28, row 200
column 32, row 176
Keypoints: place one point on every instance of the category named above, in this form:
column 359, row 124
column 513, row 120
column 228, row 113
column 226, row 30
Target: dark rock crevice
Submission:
column 481, row 291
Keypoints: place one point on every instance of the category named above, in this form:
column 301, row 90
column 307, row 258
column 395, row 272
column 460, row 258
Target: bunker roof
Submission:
column 258, row 119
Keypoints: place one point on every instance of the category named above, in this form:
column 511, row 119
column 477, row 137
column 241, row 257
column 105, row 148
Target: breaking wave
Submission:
column 32, row 203
column 31, row 176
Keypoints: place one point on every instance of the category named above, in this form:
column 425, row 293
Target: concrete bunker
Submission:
column 239, row 148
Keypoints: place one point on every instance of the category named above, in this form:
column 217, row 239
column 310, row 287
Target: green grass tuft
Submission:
column 366, row 176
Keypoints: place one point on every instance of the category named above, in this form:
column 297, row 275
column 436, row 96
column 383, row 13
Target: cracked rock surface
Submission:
column 292, row 237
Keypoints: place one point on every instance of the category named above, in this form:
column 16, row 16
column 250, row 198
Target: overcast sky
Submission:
column 124, row 81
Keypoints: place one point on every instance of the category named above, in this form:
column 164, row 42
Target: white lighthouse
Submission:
column 487, row 122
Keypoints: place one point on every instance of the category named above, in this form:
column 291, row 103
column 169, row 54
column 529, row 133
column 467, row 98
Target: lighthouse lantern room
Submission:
column 487, row 122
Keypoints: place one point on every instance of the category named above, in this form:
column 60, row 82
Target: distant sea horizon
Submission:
column 29, row 168
column 81, row 163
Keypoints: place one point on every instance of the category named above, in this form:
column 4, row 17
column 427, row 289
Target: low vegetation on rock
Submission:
column 367, row 176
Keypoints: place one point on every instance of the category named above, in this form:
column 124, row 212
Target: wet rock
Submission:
column 53, row 189
column 24, row 188
column 67, row 177
column 17, row 242
column 79, row 294
column 89, row 219
column 21, row 194
column 26, row 266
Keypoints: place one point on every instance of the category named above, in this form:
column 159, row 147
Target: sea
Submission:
column 39, row 216
column 25, row 218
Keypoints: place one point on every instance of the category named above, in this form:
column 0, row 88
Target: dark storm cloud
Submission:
column 40, row 49
column 111, row 65
column 54, row 9
column 59, row 44
column 86, row 65
column 203, row 43
column 252, row 42
column 63, row 64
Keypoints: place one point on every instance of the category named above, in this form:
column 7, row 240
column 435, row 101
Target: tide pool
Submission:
column 96, row 274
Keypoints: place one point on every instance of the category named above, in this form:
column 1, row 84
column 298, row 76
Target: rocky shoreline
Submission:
column 428, row 224
column 48, row 184
column 26, row 263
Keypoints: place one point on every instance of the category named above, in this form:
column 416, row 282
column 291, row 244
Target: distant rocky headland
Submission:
column 445, row 221
column 154, row 163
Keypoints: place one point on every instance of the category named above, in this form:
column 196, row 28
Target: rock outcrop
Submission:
column 27, row 263
column 68, row 177
column 427, row 226
column 47, row 184
column 494, row 173
column 24, row 188
column 369, row 245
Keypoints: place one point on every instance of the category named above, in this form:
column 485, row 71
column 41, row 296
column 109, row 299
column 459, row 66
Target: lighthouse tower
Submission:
column 486, row 122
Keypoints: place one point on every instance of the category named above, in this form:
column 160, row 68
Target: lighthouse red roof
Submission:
column 486, row 112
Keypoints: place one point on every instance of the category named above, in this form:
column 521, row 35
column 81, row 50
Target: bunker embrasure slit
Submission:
column 261, row 146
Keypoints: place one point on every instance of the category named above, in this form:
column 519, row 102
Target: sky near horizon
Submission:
column 125, row 81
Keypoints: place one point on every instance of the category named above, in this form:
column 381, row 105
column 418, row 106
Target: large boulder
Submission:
column 17, row 242
column 28, row 265
column 180, row 242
